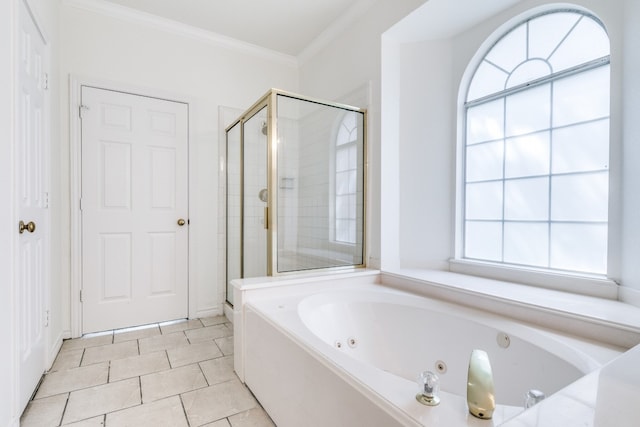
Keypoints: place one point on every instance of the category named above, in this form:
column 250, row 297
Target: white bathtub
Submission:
column 349, row 356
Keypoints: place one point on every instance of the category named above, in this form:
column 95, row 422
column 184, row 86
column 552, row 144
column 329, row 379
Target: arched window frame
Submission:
column 472, row 100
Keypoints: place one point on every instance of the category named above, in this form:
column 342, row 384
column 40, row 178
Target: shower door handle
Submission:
column 266, row 218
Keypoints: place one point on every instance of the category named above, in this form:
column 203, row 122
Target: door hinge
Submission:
column 82, row 108
column 46, row 318
column 80, row 295
column 80, row 203
column 45, row 81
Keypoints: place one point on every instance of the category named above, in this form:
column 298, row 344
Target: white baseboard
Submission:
column 54, row 349
column 209, row 312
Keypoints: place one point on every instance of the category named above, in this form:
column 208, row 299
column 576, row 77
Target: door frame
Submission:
column 75, row 147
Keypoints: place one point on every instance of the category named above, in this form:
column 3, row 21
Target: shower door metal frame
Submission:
column 269, row 100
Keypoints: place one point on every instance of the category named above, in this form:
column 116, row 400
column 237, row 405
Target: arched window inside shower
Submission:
column 535, row 186
column 345, row 169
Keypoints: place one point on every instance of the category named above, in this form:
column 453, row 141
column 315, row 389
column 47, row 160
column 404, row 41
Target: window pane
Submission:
column 581, row 97
column 487, row 79
column 547, row 31
column 342, row 207
column 348, row 131
column 485, row 161
column 573, row 51
column 526, row 244
column 353, row 156
column 343, row 231
column 484, row 200
column 483, row 240
column 582, row 197
column 342, row 183
column 485, row 122
column 579, row 247
column 581, row 148
column 526, row 199
column 353, row 180
column 528, row 111
column 342, row 159
column 511, row 50
column 527, row 155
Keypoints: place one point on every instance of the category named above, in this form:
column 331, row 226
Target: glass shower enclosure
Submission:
column 295, row 187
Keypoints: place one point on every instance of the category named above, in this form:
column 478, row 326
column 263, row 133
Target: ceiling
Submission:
column 285, row 26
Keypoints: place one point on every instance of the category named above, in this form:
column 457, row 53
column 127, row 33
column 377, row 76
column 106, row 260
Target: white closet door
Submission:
column 134, row 209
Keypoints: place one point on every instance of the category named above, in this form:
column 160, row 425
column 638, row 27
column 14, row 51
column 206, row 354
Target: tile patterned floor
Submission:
column 171, row 374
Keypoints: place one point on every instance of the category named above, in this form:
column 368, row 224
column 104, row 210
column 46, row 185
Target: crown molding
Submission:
column 356, row 11
column 117, row 11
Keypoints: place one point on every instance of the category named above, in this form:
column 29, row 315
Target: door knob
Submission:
column 181, row 222
column 30, row 226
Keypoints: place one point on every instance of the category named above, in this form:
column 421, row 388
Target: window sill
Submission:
column 603, row 320
column 594, row 286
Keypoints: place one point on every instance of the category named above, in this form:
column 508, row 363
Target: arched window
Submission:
column 536, row 149
column 346, row 178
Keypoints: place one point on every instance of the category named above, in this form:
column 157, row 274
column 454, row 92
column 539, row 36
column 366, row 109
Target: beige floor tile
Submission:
column 91, row 422
column 135, row 333
column 217, row 401
column 104, row 353
column 180, row 325
column 219, row 423
column 162, row 342
column 73, row 379
column 218, row 370
column 215, row 320
column 67, row 359
column 102, row 399
column 44, row 412
column 138, row 365
column 166, row 412
column 255, row 417
column 91, row 340
column 193, row 353
column 226, row 345
column 208, row 333
column 172, row 382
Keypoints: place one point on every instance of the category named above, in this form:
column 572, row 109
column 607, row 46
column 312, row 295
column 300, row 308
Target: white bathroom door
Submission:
column 32, row 200
column 134, row 209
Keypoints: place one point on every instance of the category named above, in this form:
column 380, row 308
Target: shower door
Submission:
column 254, row 199
column 247, row 199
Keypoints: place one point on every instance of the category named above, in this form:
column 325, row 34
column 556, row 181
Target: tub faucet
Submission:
column 480, row 393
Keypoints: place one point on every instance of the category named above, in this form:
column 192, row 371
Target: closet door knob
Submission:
column 30, row 227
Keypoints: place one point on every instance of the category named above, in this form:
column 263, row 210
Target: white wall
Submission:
column 209, row 75
column 428, row 72
column 631, row 147
column 348, row 62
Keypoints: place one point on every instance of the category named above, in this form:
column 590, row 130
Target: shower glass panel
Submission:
column 254, row 135
column 295, row 187
column 320, row 179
